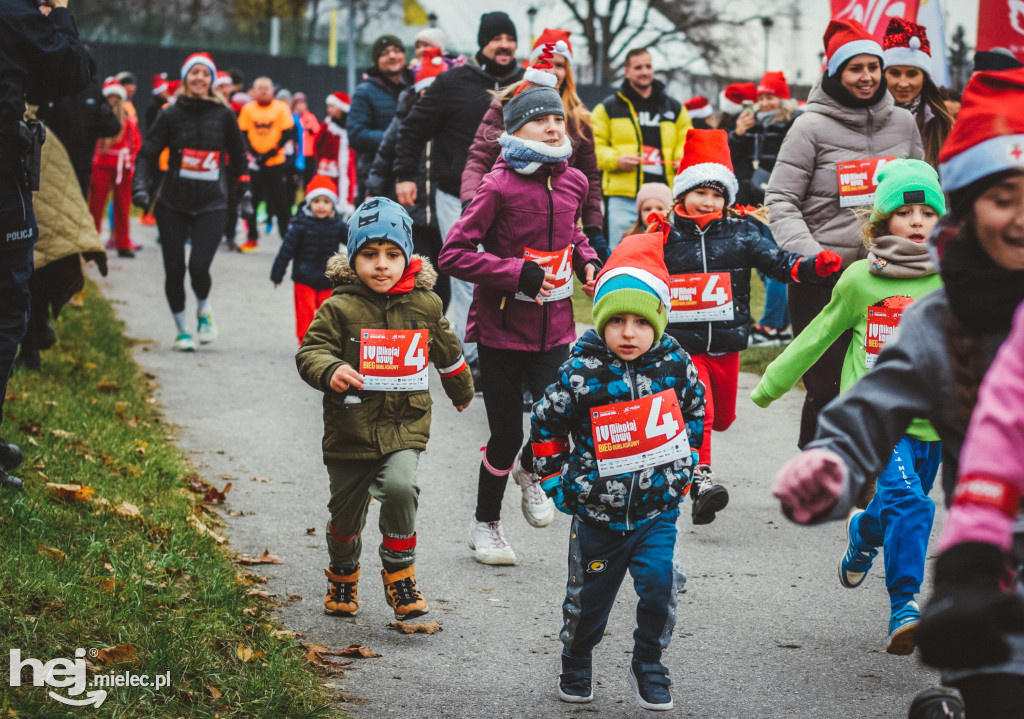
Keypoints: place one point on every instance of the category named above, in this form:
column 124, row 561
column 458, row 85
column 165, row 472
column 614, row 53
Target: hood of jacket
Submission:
column 340, row 273
column 853, row 117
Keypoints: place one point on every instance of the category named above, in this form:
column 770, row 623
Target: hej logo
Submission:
column 60, row 674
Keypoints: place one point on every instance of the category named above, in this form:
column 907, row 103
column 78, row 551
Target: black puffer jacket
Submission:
column 760, row 144
column 309, row 243
column 194, row 124
column 733, row 244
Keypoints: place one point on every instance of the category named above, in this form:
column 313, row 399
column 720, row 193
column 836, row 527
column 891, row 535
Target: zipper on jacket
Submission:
column 551, row 242
column 871, row 132
column 504, row 312
column 639, row 138
column 632, row 480
column 426, row 182
column 704, row 264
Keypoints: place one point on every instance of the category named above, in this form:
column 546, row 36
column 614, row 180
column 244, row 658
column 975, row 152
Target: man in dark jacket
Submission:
column 374, row 102
column 41, row 57
column 448, row 114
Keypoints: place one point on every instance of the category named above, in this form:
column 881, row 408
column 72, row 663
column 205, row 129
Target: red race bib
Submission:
column 393, row 360
column 652, row 159
column 200, row 164
column 701, row 297
column 858, row 180
column 560, row 265
column 640, row 433
column 883, row 319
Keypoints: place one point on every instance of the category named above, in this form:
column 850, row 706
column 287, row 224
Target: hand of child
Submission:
column 406, row 193
column 809, row 485
column 744, row 122
column 345, row 377
column 549, row 279
column 588, row 286
column 628, row 162
column 461, row 407
column 826, row 262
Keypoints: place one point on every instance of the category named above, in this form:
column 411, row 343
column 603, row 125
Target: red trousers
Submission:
column 103, row 180
column 307, row 302
column 720, row 375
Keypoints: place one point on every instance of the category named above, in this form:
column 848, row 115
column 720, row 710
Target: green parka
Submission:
column 383, row 422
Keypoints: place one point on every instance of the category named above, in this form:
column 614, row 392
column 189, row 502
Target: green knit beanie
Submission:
column 907, row 182
column 629, row 294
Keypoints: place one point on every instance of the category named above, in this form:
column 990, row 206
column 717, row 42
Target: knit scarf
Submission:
column 407, row 281
column 898, row 257
column 982, row 294
column 527, row 156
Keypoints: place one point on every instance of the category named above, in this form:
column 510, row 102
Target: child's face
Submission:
column 321, row 207
column 651, row 204
column 628, row 335
column 379, row 265
column 702, row 200
column 913, row 222
column 999, row 222
column 549, row 129
column 334, row 112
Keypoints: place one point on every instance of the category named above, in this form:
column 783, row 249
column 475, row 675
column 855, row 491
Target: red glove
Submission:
column 827, row 262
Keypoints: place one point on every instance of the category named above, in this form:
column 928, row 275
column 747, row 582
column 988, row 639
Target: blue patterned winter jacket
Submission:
column 590, row 378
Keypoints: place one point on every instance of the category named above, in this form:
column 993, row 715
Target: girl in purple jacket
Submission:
column 524, row 217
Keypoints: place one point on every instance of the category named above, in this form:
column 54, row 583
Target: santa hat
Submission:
column 845, row 39
column 698, row 107
column 431, row 35
column 321, row 186
column 906, row 43
column 198, row 58
column 222, row 78
column 160, row 83
column 340, row 100
column 774, row 83
column 735, row 95
column 706, row 162
column 985, row 139
column 431, row 65
column 112, row 87
column 553, row 36
column 538, row 73
column 172, row 86
column 634, row 279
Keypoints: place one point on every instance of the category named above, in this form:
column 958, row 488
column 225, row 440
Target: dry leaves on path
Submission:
column 217, row 496
column 409, row 628
column 265, row 558
column 70, row 492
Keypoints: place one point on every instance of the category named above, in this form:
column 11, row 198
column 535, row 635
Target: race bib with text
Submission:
column 636, row 434
column 858, row 180
column 560, row 265
column 701, row 297
column 393, row 360
column 883, row 319
column 200, row 164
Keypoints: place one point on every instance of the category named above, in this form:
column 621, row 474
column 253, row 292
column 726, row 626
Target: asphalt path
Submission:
column 764, row 628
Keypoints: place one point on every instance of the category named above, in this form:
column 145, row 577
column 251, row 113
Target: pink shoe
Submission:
column 111, row 244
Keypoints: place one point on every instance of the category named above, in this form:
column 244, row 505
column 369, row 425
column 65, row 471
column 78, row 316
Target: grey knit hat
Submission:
column 531, row 103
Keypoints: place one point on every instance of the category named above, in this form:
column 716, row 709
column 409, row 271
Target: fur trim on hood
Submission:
column 341, row 273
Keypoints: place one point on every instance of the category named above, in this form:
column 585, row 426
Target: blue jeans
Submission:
column 899, row 517
column 776, row 303
column 449, row 209
column 598, row 561
column 621, row 214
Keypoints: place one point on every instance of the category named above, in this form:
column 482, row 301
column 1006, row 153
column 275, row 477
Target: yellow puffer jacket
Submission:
column 617, row 132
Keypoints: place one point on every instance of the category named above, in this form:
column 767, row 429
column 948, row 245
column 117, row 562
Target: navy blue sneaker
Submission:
column 651, row 684
column 902, row 624
column 854, row 565
column 574, row 683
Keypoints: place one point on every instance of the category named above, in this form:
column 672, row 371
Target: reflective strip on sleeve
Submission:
column 398, row 544
column 987, row 491
column 551, row 448
column 459, row 365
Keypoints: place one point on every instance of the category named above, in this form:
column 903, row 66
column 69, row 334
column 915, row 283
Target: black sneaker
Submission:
column 937, row 703
column 707, row 498
column 574, row 683
column 10, row 455
column 651, row 684
column 768, row 337
column 9, row 481
column 129, row 254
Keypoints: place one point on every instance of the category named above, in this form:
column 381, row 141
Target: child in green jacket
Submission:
column 869, row 299
column 367, row 351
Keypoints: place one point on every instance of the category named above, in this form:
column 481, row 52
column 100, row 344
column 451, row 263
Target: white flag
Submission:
column 929, row 14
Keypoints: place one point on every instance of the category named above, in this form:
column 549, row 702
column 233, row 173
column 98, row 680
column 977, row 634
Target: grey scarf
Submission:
column 892, row 256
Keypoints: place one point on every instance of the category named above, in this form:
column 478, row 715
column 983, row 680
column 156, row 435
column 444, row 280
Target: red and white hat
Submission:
column 985, row 138
column 733, row 97
column 340, row 100
column 431, row 65
column 845, row 39
column 112, row 87
column 322, row 186
column 698, row 107
column 774, row 83
column 537, row 73
column 222, row 78
column 906, row 43
column 553, row 36
column 160, row 83
column 198, row 58
column 706, row 159
column 172, row 86
column 634, row 279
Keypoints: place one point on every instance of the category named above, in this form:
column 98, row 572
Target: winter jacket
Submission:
column 593, row 377
column 803, row 193
column 381, row 180
column 733, row 244
column 617, row 132
column 308, row 244
column 485, row 150
column 194, row 124
column 335, row 158
column 510, row 213
column 373, row 107
column 856, row 291
column 760, row 144
column 449, row 112
column 382, row 422
column 120, row 151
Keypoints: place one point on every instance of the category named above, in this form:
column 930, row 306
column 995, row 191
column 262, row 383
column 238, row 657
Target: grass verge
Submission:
column 131, row 572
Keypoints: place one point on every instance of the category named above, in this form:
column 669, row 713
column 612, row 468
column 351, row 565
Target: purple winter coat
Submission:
column 485, row 150
column 509, row 213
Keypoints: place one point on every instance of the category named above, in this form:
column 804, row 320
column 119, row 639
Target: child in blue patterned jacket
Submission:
column 629, row 399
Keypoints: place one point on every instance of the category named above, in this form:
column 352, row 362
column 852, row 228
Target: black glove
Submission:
column 965, row 622
column 245, row 208
column 140, row 198
column 597, row 242
column 531, row 279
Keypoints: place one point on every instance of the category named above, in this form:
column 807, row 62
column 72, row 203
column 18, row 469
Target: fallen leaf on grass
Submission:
column 55, row 606
column 265, row 558
column 409, row 628
column 63, row 434
column 215, row 693
column 126, row 509
column 197, row 485
column 32, row 427
column 110, row 585
column 116, row 655
column 203, row 529
column 284, row 634
column 71, row 492
column 217, row 496
column 52, row 553
column 246, row 654
column 120, row 408
column 107, row 385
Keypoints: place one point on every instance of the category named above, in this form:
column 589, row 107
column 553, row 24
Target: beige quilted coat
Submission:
column 803, row 192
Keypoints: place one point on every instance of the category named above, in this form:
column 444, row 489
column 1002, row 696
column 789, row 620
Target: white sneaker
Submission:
column 184, row 342
column 207, row 330
column 489, row 544
column 538, row 508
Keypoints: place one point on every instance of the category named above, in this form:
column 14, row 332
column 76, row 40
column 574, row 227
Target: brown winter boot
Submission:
column 342, row 598
column 401, row 593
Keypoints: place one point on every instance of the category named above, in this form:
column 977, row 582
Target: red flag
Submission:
column 1001, row 24
column 874, row 15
